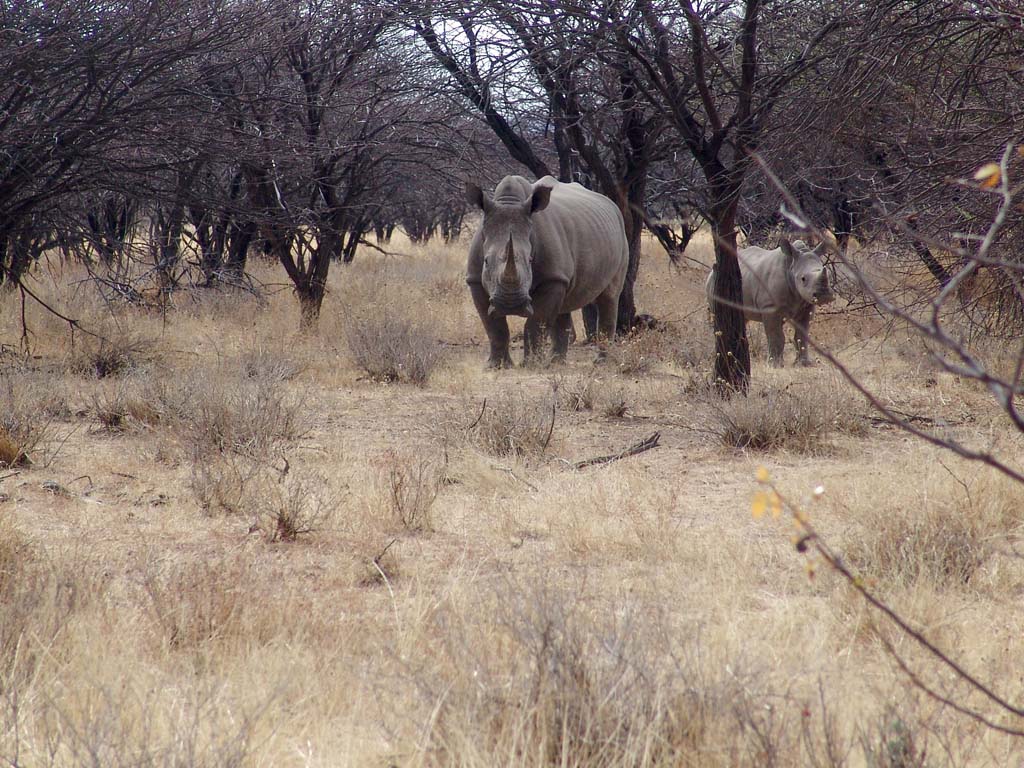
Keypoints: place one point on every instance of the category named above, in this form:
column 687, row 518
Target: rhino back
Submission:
column 580, row 240
column 766, row 289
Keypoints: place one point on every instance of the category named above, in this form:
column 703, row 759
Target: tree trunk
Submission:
column 732, row 352
column 311, row 298
column 938, row 271
column 634, row 221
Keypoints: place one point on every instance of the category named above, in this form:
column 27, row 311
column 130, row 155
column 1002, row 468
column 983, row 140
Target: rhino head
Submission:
column 806, row 271
column 507, row 273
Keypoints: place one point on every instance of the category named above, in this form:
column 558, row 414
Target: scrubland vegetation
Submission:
column 224, row 543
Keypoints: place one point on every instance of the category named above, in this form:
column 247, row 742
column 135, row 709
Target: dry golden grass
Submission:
column 240, row 550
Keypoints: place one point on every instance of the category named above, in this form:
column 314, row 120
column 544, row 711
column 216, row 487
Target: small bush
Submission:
column 28, row 407
column 638, row 353
column 295, row 507
column 774, row 419
column 199, row 603
column 938, row 529
column 393, row 349
column 37, row 601
column 261, row 363
column 226, row 482
column 116, row 354
column 511, row 424
column 615, row 404
column 408, row 486
column 252, row 417
column 577, row 394
column 558, row 686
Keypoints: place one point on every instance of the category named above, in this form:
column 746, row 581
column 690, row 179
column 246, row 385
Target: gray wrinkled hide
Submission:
column 542, row 251
column 784, row 283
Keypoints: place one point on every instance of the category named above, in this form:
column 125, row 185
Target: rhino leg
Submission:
column 496, row 328
column 607, row 315
column 547, row 301
column 776, row 339
column 560, row 331
column 590, row 315
column 801, row 324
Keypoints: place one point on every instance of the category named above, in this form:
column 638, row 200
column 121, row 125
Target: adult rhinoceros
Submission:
column 785, row 283
column 544, row 250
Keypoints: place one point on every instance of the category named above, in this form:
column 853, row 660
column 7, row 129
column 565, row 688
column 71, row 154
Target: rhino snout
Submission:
column 522, row 309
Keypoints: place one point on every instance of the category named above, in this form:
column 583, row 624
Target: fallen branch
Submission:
column 644, row 445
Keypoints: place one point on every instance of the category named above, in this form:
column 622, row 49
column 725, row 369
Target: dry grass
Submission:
column 117, row 352
column 577, row 394
column 940, row 529
column 354, row 600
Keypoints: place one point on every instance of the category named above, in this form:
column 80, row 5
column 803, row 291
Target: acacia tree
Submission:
column 556, row 85
column 938, row 86
column 706, row 72
column 84, row 89
column 306, row 116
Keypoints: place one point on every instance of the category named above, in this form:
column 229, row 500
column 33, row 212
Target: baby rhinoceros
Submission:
column 784, row 283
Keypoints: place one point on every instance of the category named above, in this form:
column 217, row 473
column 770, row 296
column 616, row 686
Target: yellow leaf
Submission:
column 775, row 503
column 988, row 175
column 759, row 505
column 762, row 475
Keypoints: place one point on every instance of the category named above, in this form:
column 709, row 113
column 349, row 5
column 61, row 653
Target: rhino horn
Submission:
column 510, row 275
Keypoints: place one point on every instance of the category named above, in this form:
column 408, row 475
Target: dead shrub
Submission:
column 513, row 423
column 393, row 349
column 28, row 408
column 38, row 599
column 638, row 353
column 294, row 507
column 407, row 486
column 115, row 353
column 251, row 417
column 615, row 404
column 262, row 363
column 226, row 483
column 577, row 394
column 233, row 430
column 779, row 418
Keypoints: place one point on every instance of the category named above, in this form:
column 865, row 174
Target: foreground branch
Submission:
column 644, row 445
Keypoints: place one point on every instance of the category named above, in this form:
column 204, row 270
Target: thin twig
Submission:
column 551, row 429
column 527, row 483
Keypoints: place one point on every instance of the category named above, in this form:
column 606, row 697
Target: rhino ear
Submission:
column 540, row 198
column 787, row 249
column 475, row 196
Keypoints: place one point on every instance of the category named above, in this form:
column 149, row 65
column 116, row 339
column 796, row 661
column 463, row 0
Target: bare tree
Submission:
column 704, row 70
column 83, row 85
column 555, row 83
